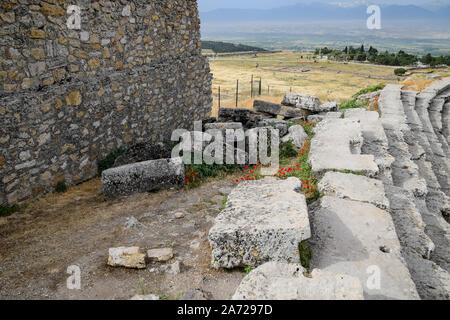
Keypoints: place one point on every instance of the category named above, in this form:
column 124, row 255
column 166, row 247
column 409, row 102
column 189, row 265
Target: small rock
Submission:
column 161, row 255
column 179, row 215
column 132, row 222
column 174, row 268
column 148, row 297
column 195, row 245
column 195, row 295
column 126, row 257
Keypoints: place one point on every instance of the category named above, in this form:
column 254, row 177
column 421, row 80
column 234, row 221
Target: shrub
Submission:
column 287, row 150
column 108, row 162
column 6, row 211
column 400, row 71
column 61, row 187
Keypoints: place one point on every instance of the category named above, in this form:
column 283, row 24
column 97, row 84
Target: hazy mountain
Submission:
column 323, row 11
column 209, row 5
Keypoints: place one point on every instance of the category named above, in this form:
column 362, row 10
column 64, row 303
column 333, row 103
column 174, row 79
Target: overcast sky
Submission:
column 207, row 5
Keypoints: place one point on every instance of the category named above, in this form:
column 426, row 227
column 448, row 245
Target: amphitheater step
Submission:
column 358, row 239
column 354, row 187
column 263, row 221
column 375, row 140
column 435, row 152
column 280, row 281
column 410, row 212
column 337, row 146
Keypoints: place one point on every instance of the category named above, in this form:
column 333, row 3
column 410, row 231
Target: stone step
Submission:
column 446, row 122
column 359, row 239
column 375, row 140
column 434, row 150
column 408, row 209
column 263, row 221
column 280, row 281
column 354, row 187
column 405, row 172
column 337, row 145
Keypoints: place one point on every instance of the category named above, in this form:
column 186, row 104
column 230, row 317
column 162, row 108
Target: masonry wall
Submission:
column 133, row 73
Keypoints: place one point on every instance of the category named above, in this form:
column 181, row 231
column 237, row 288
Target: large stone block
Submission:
column 280, row 281
column 337, row 147
column 354, row 187
column 126, row 257
column 302, row 101
column 278, row 109
column 143, row 177
column 263, row 221
column 359, row 239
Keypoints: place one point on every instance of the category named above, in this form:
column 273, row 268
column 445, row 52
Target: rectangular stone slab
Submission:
column 337, row 146
column 142, row 177
column 360, row 240
column 354, row 187
column 263, row 221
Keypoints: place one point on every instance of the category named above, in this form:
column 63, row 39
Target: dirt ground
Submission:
column 78, row 227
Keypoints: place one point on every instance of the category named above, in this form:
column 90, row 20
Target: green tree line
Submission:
column 372, row 55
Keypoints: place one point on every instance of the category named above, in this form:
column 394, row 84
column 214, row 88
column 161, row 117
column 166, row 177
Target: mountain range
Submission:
column 325, row 11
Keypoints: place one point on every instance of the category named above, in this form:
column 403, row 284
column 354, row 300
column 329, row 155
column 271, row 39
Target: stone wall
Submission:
column 132, row 73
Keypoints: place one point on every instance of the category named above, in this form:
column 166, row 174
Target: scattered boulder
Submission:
column 140, row 177
column 280, row 281
column 331, row 106
column 245, row 116
column 264, row 220
column 142, row 152
column 222, row 126
column 278, row 109
column 160, row 255
column 278, row 124
column 297, row 136
column 302, row 101
column 127, row 258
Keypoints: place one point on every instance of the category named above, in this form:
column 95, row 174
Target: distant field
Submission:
column 286, row 71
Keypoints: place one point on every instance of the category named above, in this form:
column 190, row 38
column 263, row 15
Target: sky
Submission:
column 208, row 5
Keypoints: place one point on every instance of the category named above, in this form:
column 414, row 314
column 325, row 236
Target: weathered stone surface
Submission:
column 297, row 136
column 278, row 109
column 280, row 281
column 357, row 238
column 264, row 220
column 126, row 257
column 148, row 297
column 337, row 146
column 195, row 295
column 143, row 177
column 331, row 106
column 236, row 115
column 302, row 101
column 160, row 255
column 278, row 124
column 142, row 152
column 354, row 187
column 224, row 126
